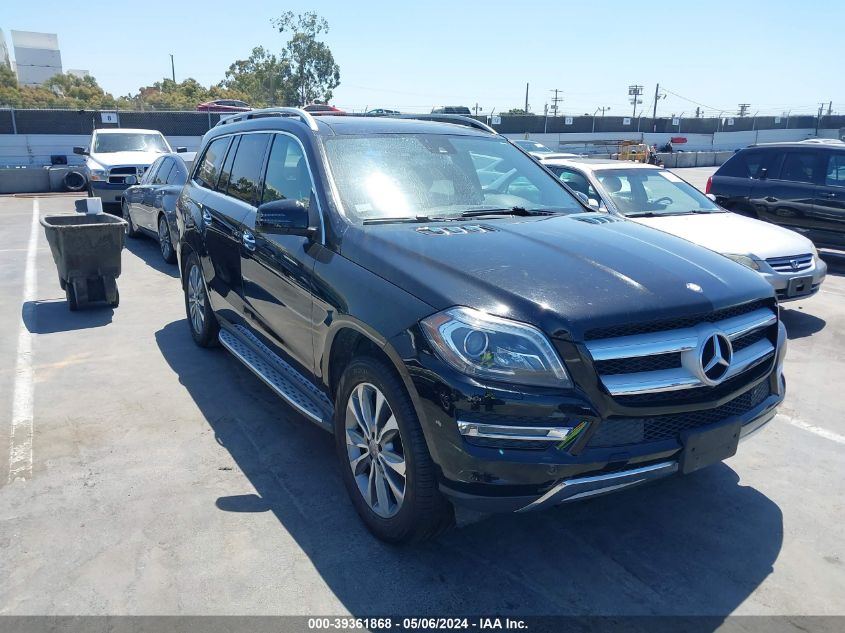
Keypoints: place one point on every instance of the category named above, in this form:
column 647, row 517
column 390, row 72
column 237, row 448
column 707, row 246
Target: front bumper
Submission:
column 794, row 286
column 108, row 192
column 500, row 474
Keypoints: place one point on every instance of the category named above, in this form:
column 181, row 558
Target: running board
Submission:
column 281, row 377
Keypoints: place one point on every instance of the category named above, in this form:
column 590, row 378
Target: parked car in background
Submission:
column 150, row 206
column 538, row 150
column 452, row 110
column 224, row 105
column 322, row 108
column 797, row 185
column 117, row 158
column 382, row 112
column 499, row 345
column 660, row 199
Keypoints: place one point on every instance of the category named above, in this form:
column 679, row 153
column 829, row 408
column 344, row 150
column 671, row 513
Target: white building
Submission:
column 37, row 57
column 4, row 51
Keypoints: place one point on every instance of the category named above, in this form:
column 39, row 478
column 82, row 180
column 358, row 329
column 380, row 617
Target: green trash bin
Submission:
column 86, row 250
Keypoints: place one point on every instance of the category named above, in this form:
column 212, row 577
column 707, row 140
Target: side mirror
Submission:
column 594, row 203
column 763, row 173
column 181, row 150
column 80, row 150
column 710, row 196
column 288, row 217
column 130, row 180
column 582, row 197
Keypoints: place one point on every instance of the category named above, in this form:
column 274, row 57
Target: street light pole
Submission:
column 172, row 68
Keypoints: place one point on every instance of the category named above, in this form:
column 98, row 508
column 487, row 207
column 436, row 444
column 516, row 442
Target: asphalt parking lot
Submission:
column 159, row 478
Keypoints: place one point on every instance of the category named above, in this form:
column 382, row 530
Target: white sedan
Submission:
column 661, row 199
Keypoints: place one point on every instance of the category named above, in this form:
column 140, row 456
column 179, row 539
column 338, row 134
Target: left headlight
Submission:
column 97, row 174
column 745, row 260
column 486, row 346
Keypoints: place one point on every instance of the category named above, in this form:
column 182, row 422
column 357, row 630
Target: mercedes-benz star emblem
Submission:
column 716, row 356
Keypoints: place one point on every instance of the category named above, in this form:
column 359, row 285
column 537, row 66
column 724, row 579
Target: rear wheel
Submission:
column 384, row 460
column 164, row 242
column 201, row 318
column 70, row 295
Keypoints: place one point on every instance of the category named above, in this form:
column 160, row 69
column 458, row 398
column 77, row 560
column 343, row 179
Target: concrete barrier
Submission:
column 705, row 159
column 25, row 180
column 670, row 159
column 685, row 159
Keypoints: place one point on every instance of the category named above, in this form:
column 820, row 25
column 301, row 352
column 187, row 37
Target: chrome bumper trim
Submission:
column 506, row 432
column 581, row 487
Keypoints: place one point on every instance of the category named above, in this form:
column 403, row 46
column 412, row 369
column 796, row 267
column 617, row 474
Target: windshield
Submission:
column 652, row 192
column 438, row 175
column 531, row 146
column 106, row 143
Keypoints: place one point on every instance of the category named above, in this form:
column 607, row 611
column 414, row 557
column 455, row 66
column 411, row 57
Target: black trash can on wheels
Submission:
column 86, row 249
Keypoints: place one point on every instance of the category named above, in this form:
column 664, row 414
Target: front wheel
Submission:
column 164, row 243
column 384, row 459
column 201, row 318
column 131, row 229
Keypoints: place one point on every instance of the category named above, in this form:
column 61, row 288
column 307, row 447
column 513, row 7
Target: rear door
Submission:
column 135, row 195
column 277, row 269
column 828, row 226
column 785, row 196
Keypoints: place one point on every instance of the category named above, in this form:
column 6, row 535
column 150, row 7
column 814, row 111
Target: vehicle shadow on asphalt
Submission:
column 695, row 545
column 800, row 324
column 147, row 249
column 50, row 316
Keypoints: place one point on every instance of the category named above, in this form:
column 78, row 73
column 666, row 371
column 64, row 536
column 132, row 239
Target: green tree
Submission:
column 59, row 91
column 313, row 71
column 518, row 112
column 262, row 78
column 170, row 95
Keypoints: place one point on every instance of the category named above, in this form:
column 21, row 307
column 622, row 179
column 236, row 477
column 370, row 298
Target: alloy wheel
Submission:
column 196, row 299
column 375, row 451
column 164, row 238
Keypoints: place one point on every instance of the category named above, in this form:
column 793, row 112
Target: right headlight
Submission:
column 745, row 260
column 486, row 346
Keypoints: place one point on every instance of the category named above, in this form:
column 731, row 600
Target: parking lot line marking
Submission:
column 20, row 436
column 812, row 428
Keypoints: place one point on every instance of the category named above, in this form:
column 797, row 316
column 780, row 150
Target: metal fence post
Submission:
column 209, row 120
column 14, row 123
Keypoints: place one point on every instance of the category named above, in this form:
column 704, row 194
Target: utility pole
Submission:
column 697, row 112
column 172, row 68
column 654, row 112
column 634, row 92
column 819, row 117
column 602, row 108
column 830, row 108
column 526, row 98
column 476, row 108
column 743, row 109
column 545, row 118
column 555, row 100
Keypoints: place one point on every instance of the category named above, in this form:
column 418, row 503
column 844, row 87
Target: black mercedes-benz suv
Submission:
column 467, row 329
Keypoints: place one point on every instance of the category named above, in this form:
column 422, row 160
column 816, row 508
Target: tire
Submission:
column 116, row 301
column 74, row 181
column 165, row 244
column 70, row 295
column 201, row 318
column 131, row 229
column 422, row 512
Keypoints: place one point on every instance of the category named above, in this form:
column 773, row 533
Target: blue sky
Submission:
column 776, row 55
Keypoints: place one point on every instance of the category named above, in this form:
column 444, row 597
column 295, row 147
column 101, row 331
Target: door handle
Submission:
column 248, row 240
column 206, row 216
column 770, row 199
column 829, row 194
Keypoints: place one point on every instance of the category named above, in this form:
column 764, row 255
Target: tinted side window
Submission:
column 212, row 159
column 799, row 167
column 226, row 172
column 835, row 172
column 177, row 175
column 287, row 172
column 148, row 176
column 163, row 172
column 245, row 178
column 578, row 182
column 744, row 165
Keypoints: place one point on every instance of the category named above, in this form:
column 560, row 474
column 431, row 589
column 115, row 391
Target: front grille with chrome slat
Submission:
column 117, row 175
column 671, row 360
column 624, row 431
column 791, row 263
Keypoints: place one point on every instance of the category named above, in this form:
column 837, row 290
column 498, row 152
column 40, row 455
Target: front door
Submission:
column 277, row 269
column 786, row 195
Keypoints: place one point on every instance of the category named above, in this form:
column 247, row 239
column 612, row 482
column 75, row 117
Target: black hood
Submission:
column 561, row 273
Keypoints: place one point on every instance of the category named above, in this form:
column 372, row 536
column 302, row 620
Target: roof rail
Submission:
column 303, row 116
column 457, row 119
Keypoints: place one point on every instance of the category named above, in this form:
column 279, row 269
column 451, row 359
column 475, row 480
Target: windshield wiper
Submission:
column 416, row 218
column 517, row 211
